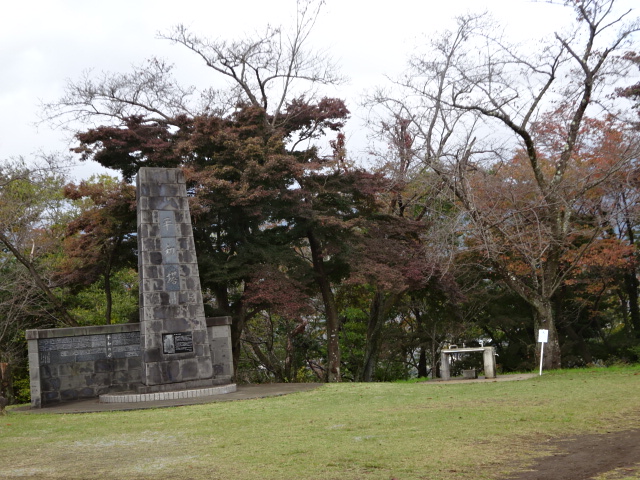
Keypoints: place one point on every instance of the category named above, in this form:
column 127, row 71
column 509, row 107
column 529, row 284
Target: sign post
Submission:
column 543, row 337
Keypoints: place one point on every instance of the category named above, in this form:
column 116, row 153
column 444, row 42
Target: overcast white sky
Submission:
column 45, row 42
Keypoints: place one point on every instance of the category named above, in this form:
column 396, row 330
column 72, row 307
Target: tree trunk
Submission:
column 108, row 296
column 422, row 362
column 435, row 363
column 107, row 280
column 288, row 359
column 331, row 310
column 422, row 338
column 381, row 305
column 237, row 327
column 291, row 350
column 544, row 319
column 564, row 324
column 6, row 383
column 633, row 287
column 631, row 278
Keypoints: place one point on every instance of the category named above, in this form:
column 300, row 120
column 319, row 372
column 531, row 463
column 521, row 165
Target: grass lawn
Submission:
column 345, row 431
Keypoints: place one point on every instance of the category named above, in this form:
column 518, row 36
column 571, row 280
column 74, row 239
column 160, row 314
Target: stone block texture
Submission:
column 173, row 332
column 219, row 333
column 68, row 364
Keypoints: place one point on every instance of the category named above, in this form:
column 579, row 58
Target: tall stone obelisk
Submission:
column 173, row 330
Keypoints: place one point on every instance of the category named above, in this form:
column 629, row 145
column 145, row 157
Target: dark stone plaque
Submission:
column 177, row 343
column 90, row 357
column 55, row 344
column 184, row 342
column 122, row 351
column 89, row 341
column 125, row 338
column 90, row 351
column 172, row 278
column 169, row 250
column 72, row 349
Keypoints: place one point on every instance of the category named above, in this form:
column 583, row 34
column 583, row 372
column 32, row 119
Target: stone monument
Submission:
column 174, row 352
column 173, row 330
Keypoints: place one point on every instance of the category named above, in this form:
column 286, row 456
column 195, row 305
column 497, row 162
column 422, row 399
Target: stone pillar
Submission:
column 444, row 366
column 489, row 357
column 173, row 330
column 34, row 370
column 219, row 329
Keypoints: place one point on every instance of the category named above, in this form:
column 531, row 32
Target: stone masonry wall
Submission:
column 68, row 364
column 82, row 362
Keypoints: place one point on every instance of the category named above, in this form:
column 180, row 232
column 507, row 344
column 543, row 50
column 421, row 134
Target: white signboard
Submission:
column 543, row 335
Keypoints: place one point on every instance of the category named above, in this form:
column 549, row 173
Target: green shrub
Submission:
column 22, row 391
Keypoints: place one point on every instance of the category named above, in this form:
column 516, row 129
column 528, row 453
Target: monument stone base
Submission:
column 192, row 384
column 130, row 397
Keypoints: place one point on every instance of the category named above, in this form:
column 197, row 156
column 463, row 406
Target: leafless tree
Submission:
column 266, row 70
column 479, row 102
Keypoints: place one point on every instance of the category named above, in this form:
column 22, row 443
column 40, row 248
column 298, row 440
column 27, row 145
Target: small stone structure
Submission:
column 173, row 348
column 489, row 357
column 469, row 374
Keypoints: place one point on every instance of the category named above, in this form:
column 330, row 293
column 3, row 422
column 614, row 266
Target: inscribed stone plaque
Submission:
column 167, row 223
column 177, row 343
column 169, row 250
column 183, row 342
column 83, row 348
column 171, row 278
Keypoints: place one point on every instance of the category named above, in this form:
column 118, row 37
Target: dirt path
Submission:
column 582, row 457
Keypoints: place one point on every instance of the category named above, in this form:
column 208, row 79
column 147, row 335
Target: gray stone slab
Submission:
column 169, row 249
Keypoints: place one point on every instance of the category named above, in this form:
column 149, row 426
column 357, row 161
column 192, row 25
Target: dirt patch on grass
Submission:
column 610, row 456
